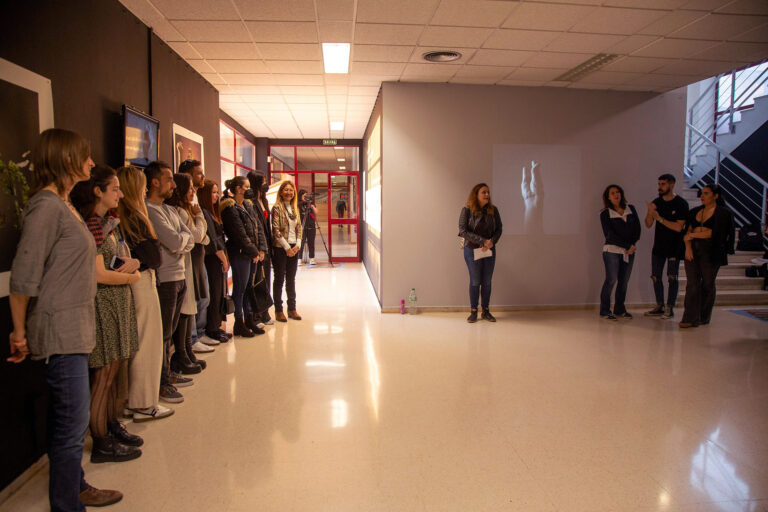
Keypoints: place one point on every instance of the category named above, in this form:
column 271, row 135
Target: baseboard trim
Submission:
column 13, row 487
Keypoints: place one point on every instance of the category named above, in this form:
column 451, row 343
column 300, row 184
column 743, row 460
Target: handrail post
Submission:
column 690, row 135
column 762, row 215
column 733, row 100
column 717, row 168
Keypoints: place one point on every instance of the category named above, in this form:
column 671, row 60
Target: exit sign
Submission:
column 329, row 142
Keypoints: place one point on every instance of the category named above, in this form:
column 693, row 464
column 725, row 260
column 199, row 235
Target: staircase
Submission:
column 733, row 286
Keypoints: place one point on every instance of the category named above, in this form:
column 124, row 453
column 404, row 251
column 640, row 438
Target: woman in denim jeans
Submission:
column 621, row 227
column 480, row 227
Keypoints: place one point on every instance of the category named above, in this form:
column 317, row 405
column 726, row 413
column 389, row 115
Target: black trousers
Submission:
column 701, row 274
column 171, row 295
column 217, row 287
column 308, row 238
column 285, row 271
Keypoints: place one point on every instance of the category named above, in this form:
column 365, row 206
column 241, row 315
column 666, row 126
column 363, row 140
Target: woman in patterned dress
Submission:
column 116, row 330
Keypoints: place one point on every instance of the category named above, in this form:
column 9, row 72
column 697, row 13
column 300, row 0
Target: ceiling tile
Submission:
column 673, row 48
column 587, row 43
column 485, row 57
column 745, row 7
column 336, row 10
column 248, row 78
column 471, row 13
column 238, row 66
column 396, row 11
column 214, row 78
column 702, row 68
column 668, row 81
column 285, row 51
column 194, row 9
column 556, row 60
column 306, row 103
column 589, row 85
column 363, row 91
column 278, row 10
column 377, row 68
column 282, row 31
column 631, row 88
column 301, row 67
column 186, row 51
column 152, row 17
column 719, row 26
column 357, row 79
column 672, row 21
column 439, row 72
column 647, row 4
column 735, row 52
column 587, row 2
column 298, row 79
column 521, row 83
column 254, row 89
column 227, row 50
column 361, row 100
column 303, row 90
column 756, row 35
column 454, row 36
column 200, row 66
column 271, row 97
column 636, row 64
column 470, row 80
column 705, row 5
column 509, row 39
column 608, row 77
column 366, row 33
column 213, row 31
column 417, row 56
column 535, row 74
column 495, row 73
column 612, row 20
column 631, row 44
column 335, row 31
column 541, row 16
column 380, row 53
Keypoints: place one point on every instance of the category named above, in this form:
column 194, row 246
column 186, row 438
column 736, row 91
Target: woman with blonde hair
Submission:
column 480, row 227
column 145, row 367
column 286, row 239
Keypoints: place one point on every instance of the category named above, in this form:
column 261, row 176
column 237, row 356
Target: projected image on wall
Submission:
column 373, row 180
column 537, row 188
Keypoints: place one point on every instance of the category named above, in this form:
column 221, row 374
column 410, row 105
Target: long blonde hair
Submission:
column 134, row 218
column 294, row 201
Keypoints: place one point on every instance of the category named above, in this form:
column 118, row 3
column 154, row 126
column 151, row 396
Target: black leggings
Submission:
column 217, row 290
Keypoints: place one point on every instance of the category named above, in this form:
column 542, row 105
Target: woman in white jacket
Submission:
column 183, row 359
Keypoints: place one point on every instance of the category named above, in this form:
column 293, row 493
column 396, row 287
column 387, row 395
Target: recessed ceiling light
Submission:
column 338, row 147
column 336, row 57
column 341, row 159
column 337, row 126
column 341, row 167
column 441, row 56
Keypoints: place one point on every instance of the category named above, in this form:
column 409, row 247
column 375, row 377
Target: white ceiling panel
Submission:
column 361, row 100
column 381, row 53
column 674, row 48
column 396, row 11
column 637, row 64
column 303, row 67
column 335, row 79
column 484, row 57
column 612, row 20
column 671, row 21
column 608, row 77
column 214, row 78
column 257, row 99
column 356, row 90
column 248, row 78
column 521, row 83
column 305, row 100
column 542, row 16
column 454, row 36
column 534, row 74
column 254, row 89
column 705, row 5
column 286, row 51
column 185, row 50
column 213, row 31
column 653, row 80
column 277, row 10
column 440, row 72
column 201, row 66
column 746, row 7
column 558, row 60
column 195, row 9
column 648, row 4
column 495, row 73
column 471, row 13
column 335, row 31
column 154, row 18
column 343, row 10
column 282, row 31
column 719, row 26
column 303, row 90
column 377, row 68
column 417, row 55
column 227, row 50
column 471, row 80
column 586, row 43
column 701, row 68
column 298, row 79
column 583, row 2
column 355, row 79
column 631, row 44
column 337, row 99
column 756, row 35
column 509, row 39
column 238, row 66
column 735, row 52
column 366, row 33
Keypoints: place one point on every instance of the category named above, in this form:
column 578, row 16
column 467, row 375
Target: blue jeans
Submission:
column 657, row 271
column 617, row 273
column 480, row 275
column 201, row 319
column 243, row 269
column 68, row 415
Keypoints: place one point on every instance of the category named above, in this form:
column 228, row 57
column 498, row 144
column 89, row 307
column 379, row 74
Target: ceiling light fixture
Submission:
column 336, row 57
column 341, row 159
column 342, row 168
column 441, row 56
column 586, row 67
column 337, row 126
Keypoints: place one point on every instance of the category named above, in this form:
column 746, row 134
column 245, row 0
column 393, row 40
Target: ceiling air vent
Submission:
column 586, row 67
column 441, row 56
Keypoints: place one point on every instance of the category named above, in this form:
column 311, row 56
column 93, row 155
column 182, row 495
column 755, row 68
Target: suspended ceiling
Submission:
column 265, row 56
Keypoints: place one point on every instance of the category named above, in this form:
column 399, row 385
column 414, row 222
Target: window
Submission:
column 238, row 154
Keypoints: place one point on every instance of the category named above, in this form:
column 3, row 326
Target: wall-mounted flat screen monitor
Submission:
column 140, row 131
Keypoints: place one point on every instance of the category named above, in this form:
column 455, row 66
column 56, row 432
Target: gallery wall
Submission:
column 370, row 193
column 439, row 140
column 97, row 56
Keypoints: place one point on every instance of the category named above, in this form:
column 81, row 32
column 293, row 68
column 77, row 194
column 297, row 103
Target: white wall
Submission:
column 438, row 141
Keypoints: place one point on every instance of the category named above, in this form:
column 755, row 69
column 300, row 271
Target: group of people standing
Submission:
column 702, row 237
column 120, row 279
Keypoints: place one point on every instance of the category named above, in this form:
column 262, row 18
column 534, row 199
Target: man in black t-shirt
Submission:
column 669, row 212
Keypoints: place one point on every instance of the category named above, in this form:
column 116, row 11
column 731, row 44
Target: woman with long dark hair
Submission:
column 708, row 240
column 55, row 263
column 261, row 211
column 246, row 246
column 621, row 227
column 117, row 338
column 216, row 261
column 286, row 233
column 480, row 227
column 184, row 360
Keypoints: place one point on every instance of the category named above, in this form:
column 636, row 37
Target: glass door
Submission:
column 343, row 202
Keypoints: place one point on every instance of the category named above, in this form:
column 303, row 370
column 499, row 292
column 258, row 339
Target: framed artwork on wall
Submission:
column 187, row 145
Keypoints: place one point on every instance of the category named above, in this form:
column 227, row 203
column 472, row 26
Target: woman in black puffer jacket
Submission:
column 246, row 246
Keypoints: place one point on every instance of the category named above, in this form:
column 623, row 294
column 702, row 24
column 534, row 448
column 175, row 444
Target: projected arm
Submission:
column 532, row 189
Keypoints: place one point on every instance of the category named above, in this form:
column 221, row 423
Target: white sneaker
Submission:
column 201, row 348
column 271, row 321
column 312, row 261
column 151, row 413
column 209, row 341
column 260, row 325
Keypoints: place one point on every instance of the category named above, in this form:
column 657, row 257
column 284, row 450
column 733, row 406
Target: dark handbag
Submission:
column 229, row 305
column 258, row 293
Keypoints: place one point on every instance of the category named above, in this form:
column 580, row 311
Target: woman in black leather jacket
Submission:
column 480, row 229
column 246, row 246
column 259, row 208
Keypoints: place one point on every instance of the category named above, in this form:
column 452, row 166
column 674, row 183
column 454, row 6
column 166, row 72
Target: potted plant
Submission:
column 14, row 185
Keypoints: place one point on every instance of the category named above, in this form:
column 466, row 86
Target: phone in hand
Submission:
column 116, row 263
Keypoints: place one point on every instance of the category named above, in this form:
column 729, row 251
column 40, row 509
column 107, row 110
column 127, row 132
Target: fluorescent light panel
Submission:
column 336, row 57
column 341, row 159
column 337, row 126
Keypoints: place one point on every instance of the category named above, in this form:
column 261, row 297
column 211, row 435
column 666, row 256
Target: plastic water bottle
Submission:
column 412, row 302
column 402, row 306
column 123, row 251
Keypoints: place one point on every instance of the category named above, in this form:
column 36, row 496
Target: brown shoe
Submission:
column 93, row 497
column 280, row 316
column 293, row 314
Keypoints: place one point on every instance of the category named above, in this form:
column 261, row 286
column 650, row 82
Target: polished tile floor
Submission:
column 351, row 410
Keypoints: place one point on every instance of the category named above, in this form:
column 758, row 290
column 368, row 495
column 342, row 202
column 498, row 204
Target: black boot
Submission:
column 472, row 318
column 107, row 449
column 121, row 434
column 193, row 358
column 181, row 363
column 241, row 329
column 252, row 321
